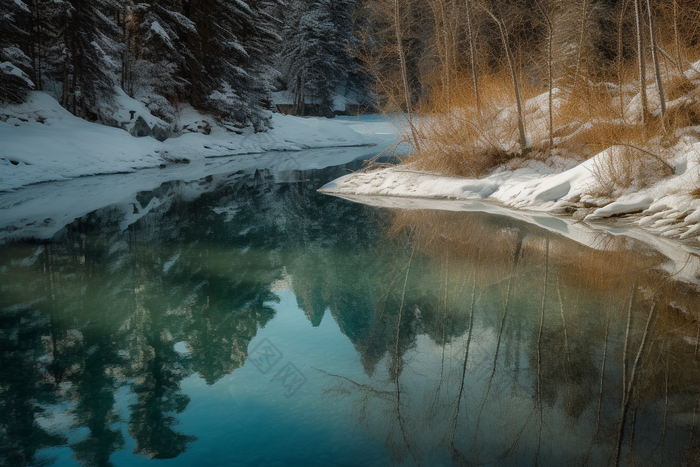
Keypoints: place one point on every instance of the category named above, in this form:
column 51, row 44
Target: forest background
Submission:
column 604, row 70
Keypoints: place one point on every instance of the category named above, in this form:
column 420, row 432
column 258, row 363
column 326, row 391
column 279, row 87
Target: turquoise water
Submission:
column 239, row 320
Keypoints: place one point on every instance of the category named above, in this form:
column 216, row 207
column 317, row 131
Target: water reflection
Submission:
column 571, row 354
column 481, row 339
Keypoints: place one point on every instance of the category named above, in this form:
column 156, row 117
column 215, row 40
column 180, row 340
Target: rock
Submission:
column 204, row 128
column 159, row 133
column 140, row 128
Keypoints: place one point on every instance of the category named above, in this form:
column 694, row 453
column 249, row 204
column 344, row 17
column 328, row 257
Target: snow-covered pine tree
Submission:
column 348, row 24
column 15, row 66
column 314, row 59
column 91, row 38
column 158, row 55
column 48, row 52
column 237, row 39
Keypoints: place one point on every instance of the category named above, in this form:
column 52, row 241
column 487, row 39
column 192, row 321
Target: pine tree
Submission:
column 15, row 66
column 315, row 57
column 158, row 57
column 90, row 35
column 237, row 38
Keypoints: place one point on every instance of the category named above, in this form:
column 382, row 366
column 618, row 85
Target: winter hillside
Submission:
column 110, row 86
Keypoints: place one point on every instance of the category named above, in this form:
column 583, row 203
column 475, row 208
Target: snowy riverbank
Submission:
column 655, row 186
column 40, row 141
column 666, row 207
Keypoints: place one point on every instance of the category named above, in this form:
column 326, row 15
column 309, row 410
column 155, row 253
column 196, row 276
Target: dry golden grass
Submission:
column 596, row 102
column 456, row 140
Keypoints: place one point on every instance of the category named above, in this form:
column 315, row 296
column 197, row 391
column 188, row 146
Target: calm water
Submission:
column 237, row 320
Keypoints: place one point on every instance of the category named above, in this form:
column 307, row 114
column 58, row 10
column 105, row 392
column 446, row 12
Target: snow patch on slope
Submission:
column 41, row 141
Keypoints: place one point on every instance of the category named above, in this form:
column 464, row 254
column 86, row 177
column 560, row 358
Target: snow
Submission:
column 158, row 29
column 22, row 5
column 9, row 69
column 530, row 189
column 125, row 105
column 41, row 141
column 624, row 205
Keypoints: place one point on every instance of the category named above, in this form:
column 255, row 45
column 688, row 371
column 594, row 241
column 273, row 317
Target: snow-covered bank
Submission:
column 665, row 205
column 40, row 211
column 646, row 171
column 40, row 141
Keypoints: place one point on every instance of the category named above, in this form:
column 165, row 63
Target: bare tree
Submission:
column 641, row 61
column 676, row 35
column 655, row 58
column 472, row 56
column 550, row 78
column 513, row 74
column 404, row 72
column 583, row 23
column 620, row 54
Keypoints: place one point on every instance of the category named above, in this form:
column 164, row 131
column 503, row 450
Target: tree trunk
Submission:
column 655, row 58
column 550, row 77
column 296, row 108
column 402, row 58
column 579, row 52
column 404, row 72
column 126, row 54
column 620, row 61
column 514, row 76
column 642, row 62
column 448, row 55
column 472, row 58
column 677, row 36
column 36, row 45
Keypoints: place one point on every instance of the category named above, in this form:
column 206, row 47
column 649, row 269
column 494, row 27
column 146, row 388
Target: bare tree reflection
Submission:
column 590, row 345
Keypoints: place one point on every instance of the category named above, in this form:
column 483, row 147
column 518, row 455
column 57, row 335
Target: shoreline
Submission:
column 683, row 255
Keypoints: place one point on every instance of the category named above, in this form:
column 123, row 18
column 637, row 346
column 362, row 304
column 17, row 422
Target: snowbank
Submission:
column 40, row 141
column 666, row 207
column 657, row 189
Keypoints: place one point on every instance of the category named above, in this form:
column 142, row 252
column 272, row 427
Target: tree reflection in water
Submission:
column 591, row 358
column 483, row 340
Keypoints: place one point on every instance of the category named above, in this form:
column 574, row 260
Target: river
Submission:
column 231, row 315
